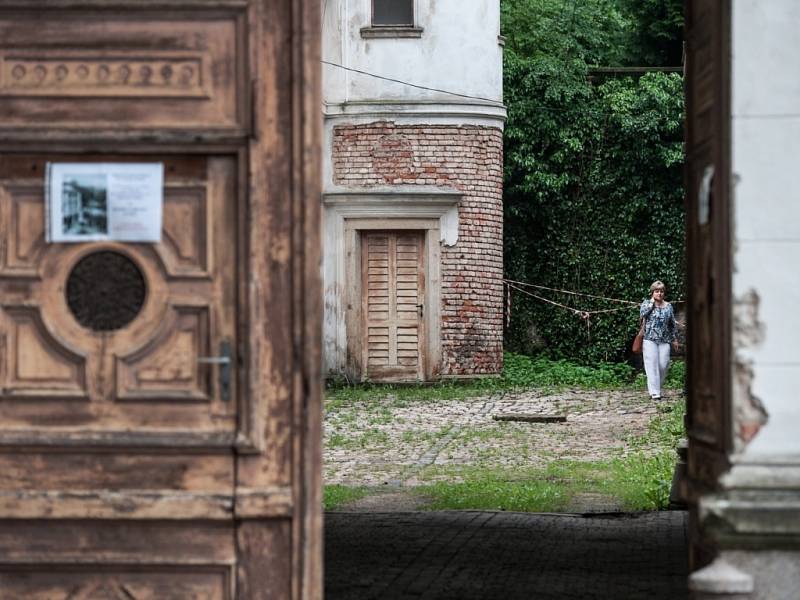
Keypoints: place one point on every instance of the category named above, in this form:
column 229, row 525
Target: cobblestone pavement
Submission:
column 470, row 555
column 386, row 441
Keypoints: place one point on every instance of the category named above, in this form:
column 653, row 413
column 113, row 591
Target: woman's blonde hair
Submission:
column 657, row 285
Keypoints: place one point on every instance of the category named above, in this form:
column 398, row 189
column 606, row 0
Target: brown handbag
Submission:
column 638, row 340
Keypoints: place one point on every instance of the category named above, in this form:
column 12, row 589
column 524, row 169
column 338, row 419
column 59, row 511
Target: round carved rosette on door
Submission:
column 103, row 301
column 109, row 290
column 105, row 291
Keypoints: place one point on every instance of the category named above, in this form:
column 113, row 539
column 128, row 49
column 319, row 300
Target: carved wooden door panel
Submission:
column 708, row 250
column 160, row 420
column 129, row 350
column 393, row 291
column 128, row 337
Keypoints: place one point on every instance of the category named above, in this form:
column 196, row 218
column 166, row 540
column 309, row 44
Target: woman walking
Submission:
column 660, row 328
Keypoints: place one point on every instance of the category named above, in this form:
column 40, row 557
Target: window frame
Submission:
column 373, row 31
column 395, row 25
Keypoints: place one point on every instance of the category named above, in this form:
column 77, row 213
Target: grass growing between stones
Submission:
column 635, row 482
column 639, row 480
column 335, row 496
column 642, row 479
column 494, row 491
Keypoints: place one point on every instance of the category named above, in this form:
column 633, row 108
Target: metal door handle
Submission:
column 214, row 360
column 224, row 362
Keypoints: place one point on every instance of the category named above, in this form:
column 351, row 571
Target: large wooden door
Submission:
column 159, row 402
column 393, row 292
column 708, row 224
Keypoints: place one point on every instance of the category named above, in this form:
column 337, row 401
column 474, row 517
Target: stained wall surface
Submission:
column 766, row 248
column 457, row 51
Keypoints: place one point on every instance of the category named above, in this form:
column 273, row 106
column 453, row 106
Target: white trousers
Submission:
column 656, row 363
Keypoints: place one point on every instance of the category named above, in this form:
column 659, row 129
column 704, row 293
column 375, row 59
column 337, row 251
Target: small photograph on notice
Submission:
column 84, row 204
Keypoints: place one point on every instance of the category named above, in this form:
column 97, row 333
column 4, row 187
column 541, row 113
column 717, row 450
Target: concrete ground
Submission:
column 472, row 555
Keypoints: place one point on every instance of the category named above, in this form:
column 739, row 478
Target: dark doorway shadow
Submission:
column 471, row 555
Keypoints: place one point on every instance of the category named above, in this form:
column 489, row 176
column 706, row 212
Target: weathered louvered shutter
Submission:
column 393, row 291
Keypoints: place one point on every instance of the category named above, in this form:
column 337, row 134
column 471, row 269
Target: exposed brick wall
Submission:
column 465, row 158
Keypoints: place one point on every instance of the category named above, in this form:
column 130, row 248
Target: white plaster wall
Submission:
column 766, row 196
column 458, row 52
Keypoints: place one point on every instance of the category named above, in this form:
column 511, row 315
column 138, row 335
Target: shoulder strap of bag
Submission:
column 644, row 318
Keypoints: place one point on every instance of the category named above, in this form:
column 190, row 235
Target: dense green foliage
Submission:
column 525, row 372
column 657, row 31
column 556, row 31
column 593, row 175
column 598, row 32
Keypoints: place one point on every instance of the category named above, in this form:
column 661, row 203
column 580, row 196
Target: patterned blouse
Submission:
column 660, row 325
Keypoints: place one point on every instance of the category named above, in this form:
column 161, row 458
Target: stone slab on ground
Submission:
column 530, row 418
column 474, row 555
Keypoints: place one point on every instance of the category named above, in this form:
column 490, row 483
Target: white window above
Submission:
column 392, row 19
column 392, row 13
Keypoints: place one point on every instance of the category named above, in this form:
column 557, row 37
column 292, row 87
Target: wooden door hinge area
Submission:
column 254, row 132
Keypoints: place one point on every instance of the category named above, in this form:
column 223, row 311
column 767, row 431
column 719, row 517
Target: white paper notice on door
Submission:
column 104, row 202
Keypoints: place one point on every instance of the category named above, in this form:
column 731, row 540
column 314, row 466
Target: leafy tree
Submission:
column 593, row 32
column 657, row 33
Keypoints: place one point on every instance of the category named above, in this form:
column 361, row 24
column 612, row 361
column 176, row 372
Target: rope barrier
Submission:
column 583, row 294
column 569, row 308
column 585, row 315
column 542, row 287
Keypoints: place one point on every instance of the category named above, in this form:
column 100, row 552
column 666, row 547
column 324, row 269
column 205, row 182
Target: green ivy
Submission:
column 657, row 32
column 593, row 182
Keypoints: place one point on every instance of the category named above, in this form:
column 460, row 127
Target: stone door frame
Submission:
column 346, row 215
